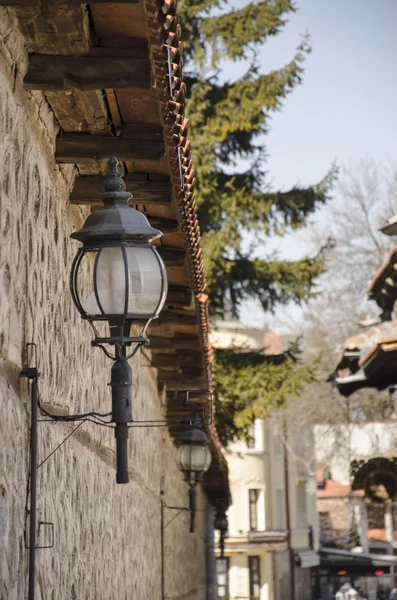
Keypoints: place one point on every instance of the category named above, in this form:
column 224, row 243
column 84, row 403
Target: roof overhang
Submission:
column 368, row 360
column 306, row 558
column 268, row 536
column 245, row 544
column 391, row 226
column 112, row 75
column 383, row 287
column 354, row 561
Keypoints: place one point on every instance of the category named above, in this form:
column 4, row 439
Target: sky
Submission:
column 346, row 107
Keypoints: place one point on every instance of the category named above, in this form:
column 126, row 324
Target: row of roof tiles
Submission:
column 171, row 90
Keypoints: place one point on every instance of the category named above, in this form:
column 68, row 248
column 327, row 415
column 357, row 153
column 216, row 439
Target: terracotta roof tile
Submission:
column 380, row 535
column 167, row 40
column 373, row 335
column 333, row 489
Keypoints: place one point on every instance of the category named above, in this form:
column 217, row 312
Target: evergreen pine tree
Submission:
column 249, row 384
column 227, row 119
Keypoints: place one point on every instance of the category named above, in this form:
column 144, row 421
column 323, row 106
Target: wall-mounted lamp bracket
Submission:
column 46, row 526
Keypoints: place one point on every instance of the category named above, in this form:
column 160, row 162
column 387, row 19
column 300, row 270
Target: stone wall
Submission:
column 107, row 537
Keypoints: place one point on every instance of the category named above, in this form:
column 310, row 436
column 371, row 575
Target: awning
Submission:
column 352, row 562
column 268, row 536
column 306, row 558
column 351, row 383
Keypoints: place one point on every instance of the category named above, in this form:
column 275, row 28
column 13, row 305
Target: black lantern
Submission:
column 194, row 459
column 119, row 277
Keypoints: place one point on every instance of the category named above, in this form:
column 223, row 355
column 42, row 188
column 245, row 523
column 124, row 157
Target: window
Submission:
column 251, row 441
column 222, row 579
column 253, row 509
column 254, row 577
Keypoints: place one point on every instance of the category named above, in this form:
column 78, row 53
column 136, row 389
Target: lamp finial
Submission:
column 113, row 181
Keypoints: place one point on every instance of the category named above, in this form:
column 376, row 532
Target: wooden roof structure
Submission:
column 383, row 287
column 112, row 74
column 368, row 360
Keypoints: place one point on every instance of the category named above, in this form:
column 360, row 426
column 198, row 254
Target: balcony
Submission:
column 268, row 536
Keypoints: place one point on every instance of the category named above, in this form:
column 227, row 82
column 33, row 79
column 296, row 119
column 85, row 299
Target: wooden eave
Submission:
column 383, row 287
column 369, row 359
column 112, row 74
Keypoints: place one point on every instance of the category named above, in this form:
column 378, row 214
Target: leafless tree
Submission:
column 366, row 197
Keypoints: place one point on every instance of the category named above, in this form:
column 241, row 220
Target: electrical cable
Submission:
column 70, row 417
column 98, row 419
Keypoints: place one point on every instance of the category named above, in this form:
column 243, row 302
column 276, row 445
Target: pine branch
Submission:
column 271, row 282
column 241, row 107
column 230, row 35
column 227, row 123
column 249, row 386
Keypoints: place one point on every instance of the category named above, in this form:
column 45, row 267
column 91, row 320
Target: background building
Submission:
column 273, row 532
column 357, row 536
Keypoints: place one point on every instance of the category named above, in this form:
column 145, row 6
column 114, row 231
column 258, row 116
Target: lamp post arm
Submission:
column 193, row 506
column 31, row 373
column 121, row 384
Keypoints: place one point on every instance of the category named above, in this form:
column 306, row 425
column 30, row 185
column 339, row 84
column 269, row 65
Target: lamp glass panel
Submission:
column 147, row 281
column 192, row 457
column 111, row 281
column 208, row 459
column 85, row 284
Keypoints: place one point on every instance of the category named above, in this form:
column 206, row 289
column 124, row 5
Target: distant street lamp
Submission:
column 221, row 523
column 194, row 459
column 118, row 276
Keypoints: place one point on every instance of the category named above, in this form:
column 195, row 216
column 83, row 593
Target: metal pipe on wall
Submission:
column 210, row 554
column 33, row 490
column 162, row 549
column 288, row 512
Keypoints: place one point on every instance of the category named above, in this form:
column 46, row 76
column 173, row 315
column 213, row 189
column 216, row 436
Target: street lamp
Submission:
column 221, row 523
column 194, row 459
column 118, row 276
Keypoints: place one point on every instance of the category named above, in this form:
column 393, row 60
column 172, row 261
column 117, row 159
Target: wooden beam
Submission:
column 82, row 147
column 59, row 2
column 49, row 72
column 53, row 29
column 117, row 121
column 179, row 297
column 184, row 359
column 190, row 384
column 80, row 111
column 172, row 344
column 172, row 257
column 171, row 318
column 87, row 189
column 199, row 396
column 164, row 225
column 185, row 415
column 185, row 374
column 119, row 46
column 150, row 131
